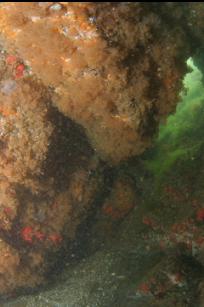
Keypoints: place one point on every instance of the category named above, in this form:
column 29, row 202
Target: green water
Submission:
column 181, row 138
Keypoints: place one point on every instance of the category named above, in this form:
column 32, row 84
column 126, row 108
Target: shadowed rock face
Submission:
column 83, row 86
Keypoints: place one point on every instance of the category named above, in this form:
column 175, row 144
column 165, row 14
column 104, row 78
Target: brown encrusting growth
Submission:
column 46, row 183
column 82, row 86
column 115, row 69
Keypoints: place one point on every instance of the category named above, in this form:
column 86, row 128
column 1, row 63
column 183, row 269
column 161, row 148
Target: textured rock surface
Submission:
column 83, row 86
column 47, row 177
column 116, row 69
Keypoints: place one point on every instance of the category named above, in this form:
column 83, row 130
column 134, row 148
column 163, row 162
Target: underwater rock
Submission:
column 83, row 86
column 115, row 69
column 48, row 179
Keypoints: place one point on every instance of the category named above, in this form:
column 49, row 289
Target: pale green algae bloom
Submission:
column 182, row 137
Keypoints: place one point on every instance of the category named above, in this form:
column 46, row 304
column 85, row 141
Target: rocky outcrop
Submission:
column 83, row 87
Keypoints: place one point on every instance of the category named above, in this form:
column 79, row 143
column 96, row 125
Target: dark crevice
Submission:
column 69, row 150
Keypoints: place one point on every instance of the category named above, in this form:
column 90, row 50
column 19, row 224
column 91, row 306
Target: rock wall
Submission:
column 83, row 87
